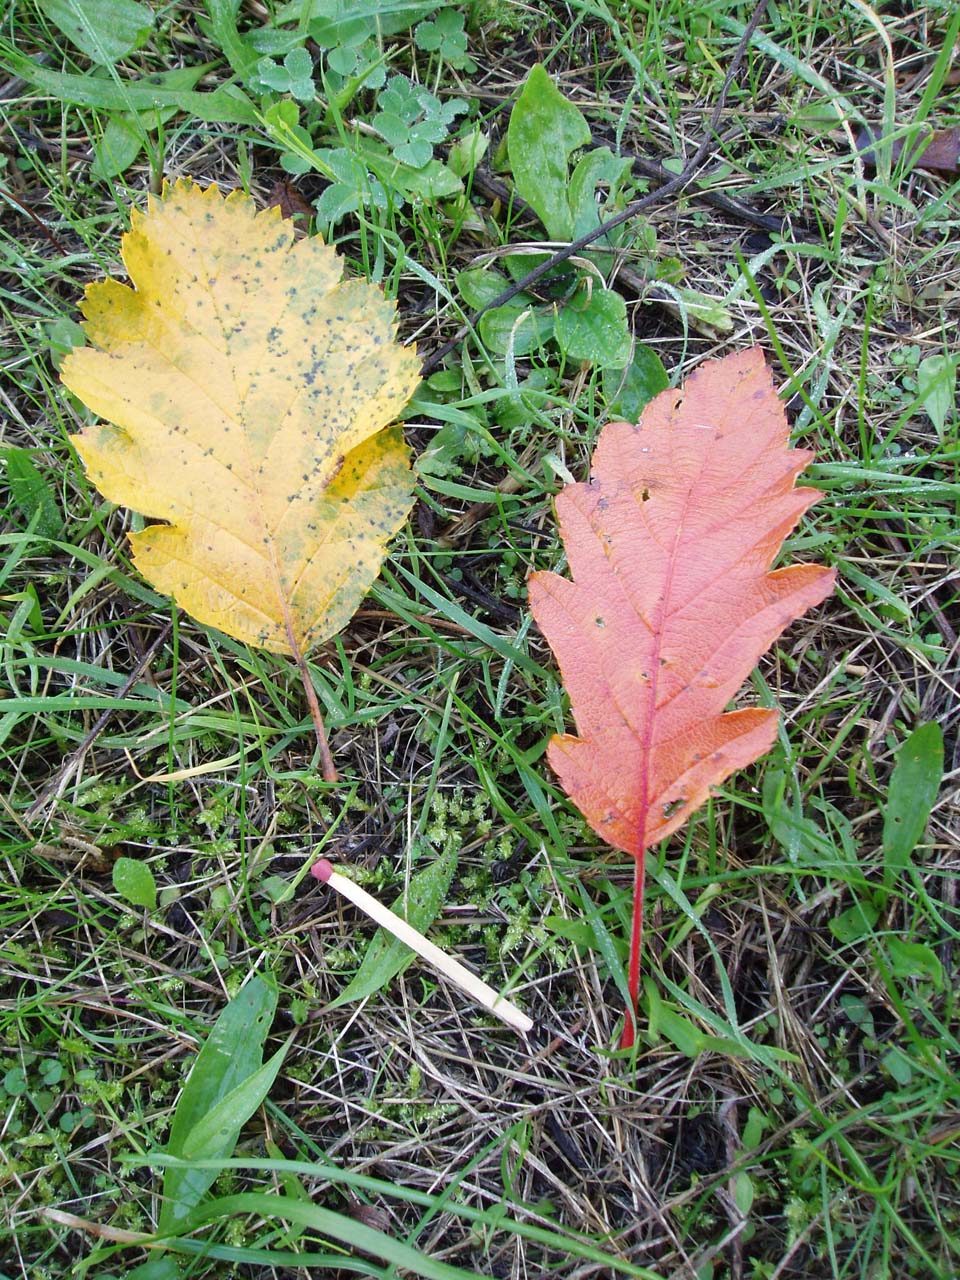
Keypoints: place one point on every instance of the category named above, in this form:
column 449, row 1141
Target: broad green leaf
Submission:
column 629, row 390
column 433, row 181
column 387, row 956
column 334, row 202
column 937, row 388
column 855, row 923
column 334, row 22
column 478, row 288
column 104, row 30
column 664, row 1021
column 576, row 931
column 756, row 1126
column 466, row 154
column 800, row 838
column 914, row 960
column 858, row 1011
column 708, row 314
column 231, row 1056
column 598, row 166
column 30, row 492
column 544, row 130
column 63, row 334
column 216, row 1134
column 226, row 105
column 556, row 284
column 134, row 881
column 593, row 326
column 443, row 456
column 116, row 150
column 125, row 136
column 898, row 1064
column 223, row 23
column 523, row 328
column 744, row 1192
column 914, row 786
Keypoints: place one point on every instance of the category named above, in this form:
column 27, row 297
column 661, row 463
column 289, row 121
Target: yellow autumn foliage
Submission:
column 246, row 390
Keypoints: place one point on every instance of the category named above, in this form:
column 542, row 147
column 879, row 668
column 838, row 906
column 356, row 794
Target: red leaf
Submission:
column 937, row 149
column 672, row 603
column 287, row 198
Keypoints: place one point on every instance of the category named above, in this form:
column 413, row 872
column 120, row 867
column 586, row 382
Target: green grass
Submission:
column 792, row 1108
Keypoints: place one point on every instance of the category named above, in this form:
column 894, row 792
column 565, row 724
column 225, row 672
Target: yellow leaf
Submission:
column 246, row 389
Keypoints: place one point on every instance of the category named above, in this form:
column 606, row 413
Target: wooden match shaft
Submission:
column 451, row 968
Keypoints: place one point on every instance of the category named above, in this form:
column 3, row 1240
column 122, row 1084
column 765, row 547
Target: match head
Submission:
column 323, row 870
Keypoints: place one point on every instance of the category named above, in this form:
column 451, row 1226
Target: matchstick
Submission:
column 451, row 968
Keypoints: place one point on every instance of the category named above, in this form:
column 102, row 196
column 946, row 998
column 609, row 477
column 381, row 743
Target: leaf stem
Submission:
column 628, row 1037
column 327, row 767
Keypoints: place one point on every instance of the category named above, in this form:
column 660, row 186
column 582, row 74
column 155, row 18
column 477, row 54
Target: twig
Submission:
column 650, row 168
column 726, row 203
column 450, row 968
column 38, row 222
column 681, row 180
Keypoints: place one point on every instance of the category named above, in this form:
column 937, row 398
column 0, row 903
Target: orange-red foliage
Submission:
column 672, row 602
